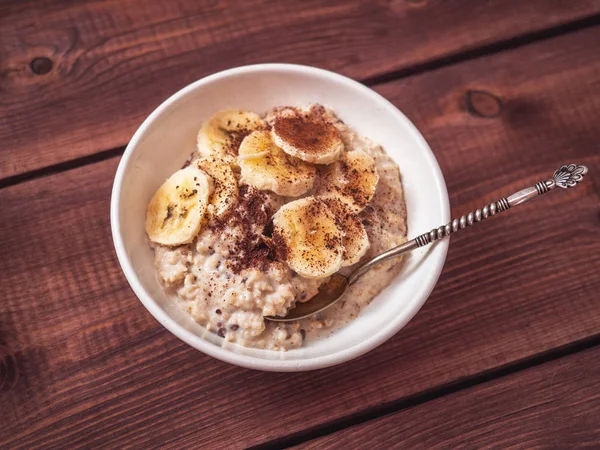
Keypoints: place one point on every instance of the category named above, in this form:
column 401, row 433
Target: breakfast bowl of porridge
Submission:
column 242, row 194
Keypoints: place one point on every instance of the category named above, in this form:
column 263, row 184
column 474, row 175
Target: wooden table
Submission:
column 506, row 352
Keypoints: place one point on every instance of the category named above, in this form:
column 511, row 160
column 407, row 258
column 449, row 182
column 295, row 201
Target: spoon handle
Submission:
column 565, row 177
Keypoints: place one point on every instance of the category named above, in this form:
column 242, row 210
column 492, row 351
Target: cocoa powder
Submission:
column 242, row 229
column 310, row 132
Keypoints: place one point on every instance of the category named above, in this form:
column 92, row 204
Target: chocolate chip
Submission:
column 234, row 327
column 221, row 332
column 218, row 311
column 303, row 334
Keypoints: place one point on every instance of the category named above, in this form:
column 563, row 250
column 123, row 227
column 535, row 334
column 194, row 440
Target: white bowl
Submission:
column 167, row 137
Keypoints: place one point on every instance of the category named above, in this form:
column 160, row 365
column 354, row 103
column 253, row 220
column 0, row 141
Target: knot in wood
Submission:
column 483, row 104
column 41, row 65
column 9, row 371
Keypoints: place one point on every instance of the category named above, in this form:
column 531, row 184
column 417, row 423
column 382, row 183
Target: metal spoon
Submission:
column 334, row 289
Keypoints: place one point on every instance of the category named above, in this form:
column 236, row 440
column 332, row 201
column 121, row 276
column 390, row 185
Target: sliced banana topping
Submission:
column 225, row 195
column 267, row 167
column 356, row 240
column 352, row 179
column 221, row 135
column 307, row 135
column 175, row 213
column 306, row 237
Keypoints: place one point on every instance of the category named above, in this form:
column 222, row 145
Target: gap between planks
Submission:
column 429, row 395
column 64, row 166
column 434, row 64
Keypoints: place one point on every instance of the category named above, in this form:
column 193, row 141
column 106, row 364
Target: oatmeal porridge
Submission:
column 264, row 212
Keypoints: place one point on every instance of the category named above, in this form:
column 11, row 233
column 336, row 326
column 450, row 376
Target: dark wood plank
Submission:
column 108, row 64
column 85, row 363
column 554, row 405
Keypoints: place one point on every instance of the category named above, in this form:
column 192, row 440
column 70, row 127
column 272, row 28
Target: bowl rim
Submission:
column 251, row 362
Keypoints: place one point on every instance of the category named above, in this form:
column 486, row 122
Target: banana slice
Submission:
column 356, row 240
column 174, row 215
column 265, row 166
column 222, row 134
column 225, row 194
column 353, row 179
column 306, row 237
column 307, row 135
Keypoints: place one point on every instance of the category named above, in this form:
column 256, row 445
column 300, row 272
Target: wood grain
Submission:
column 545, row 91
column 554, row 405
column 85, row 364
column 79, row 77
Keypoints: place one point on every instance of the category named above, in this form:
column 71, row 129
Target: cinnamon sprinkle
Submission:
column 310, row 132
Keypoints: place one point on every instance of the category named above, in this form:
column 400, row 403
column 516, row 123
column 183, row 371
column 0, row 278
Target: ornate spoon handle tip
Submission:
column 566, row 177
